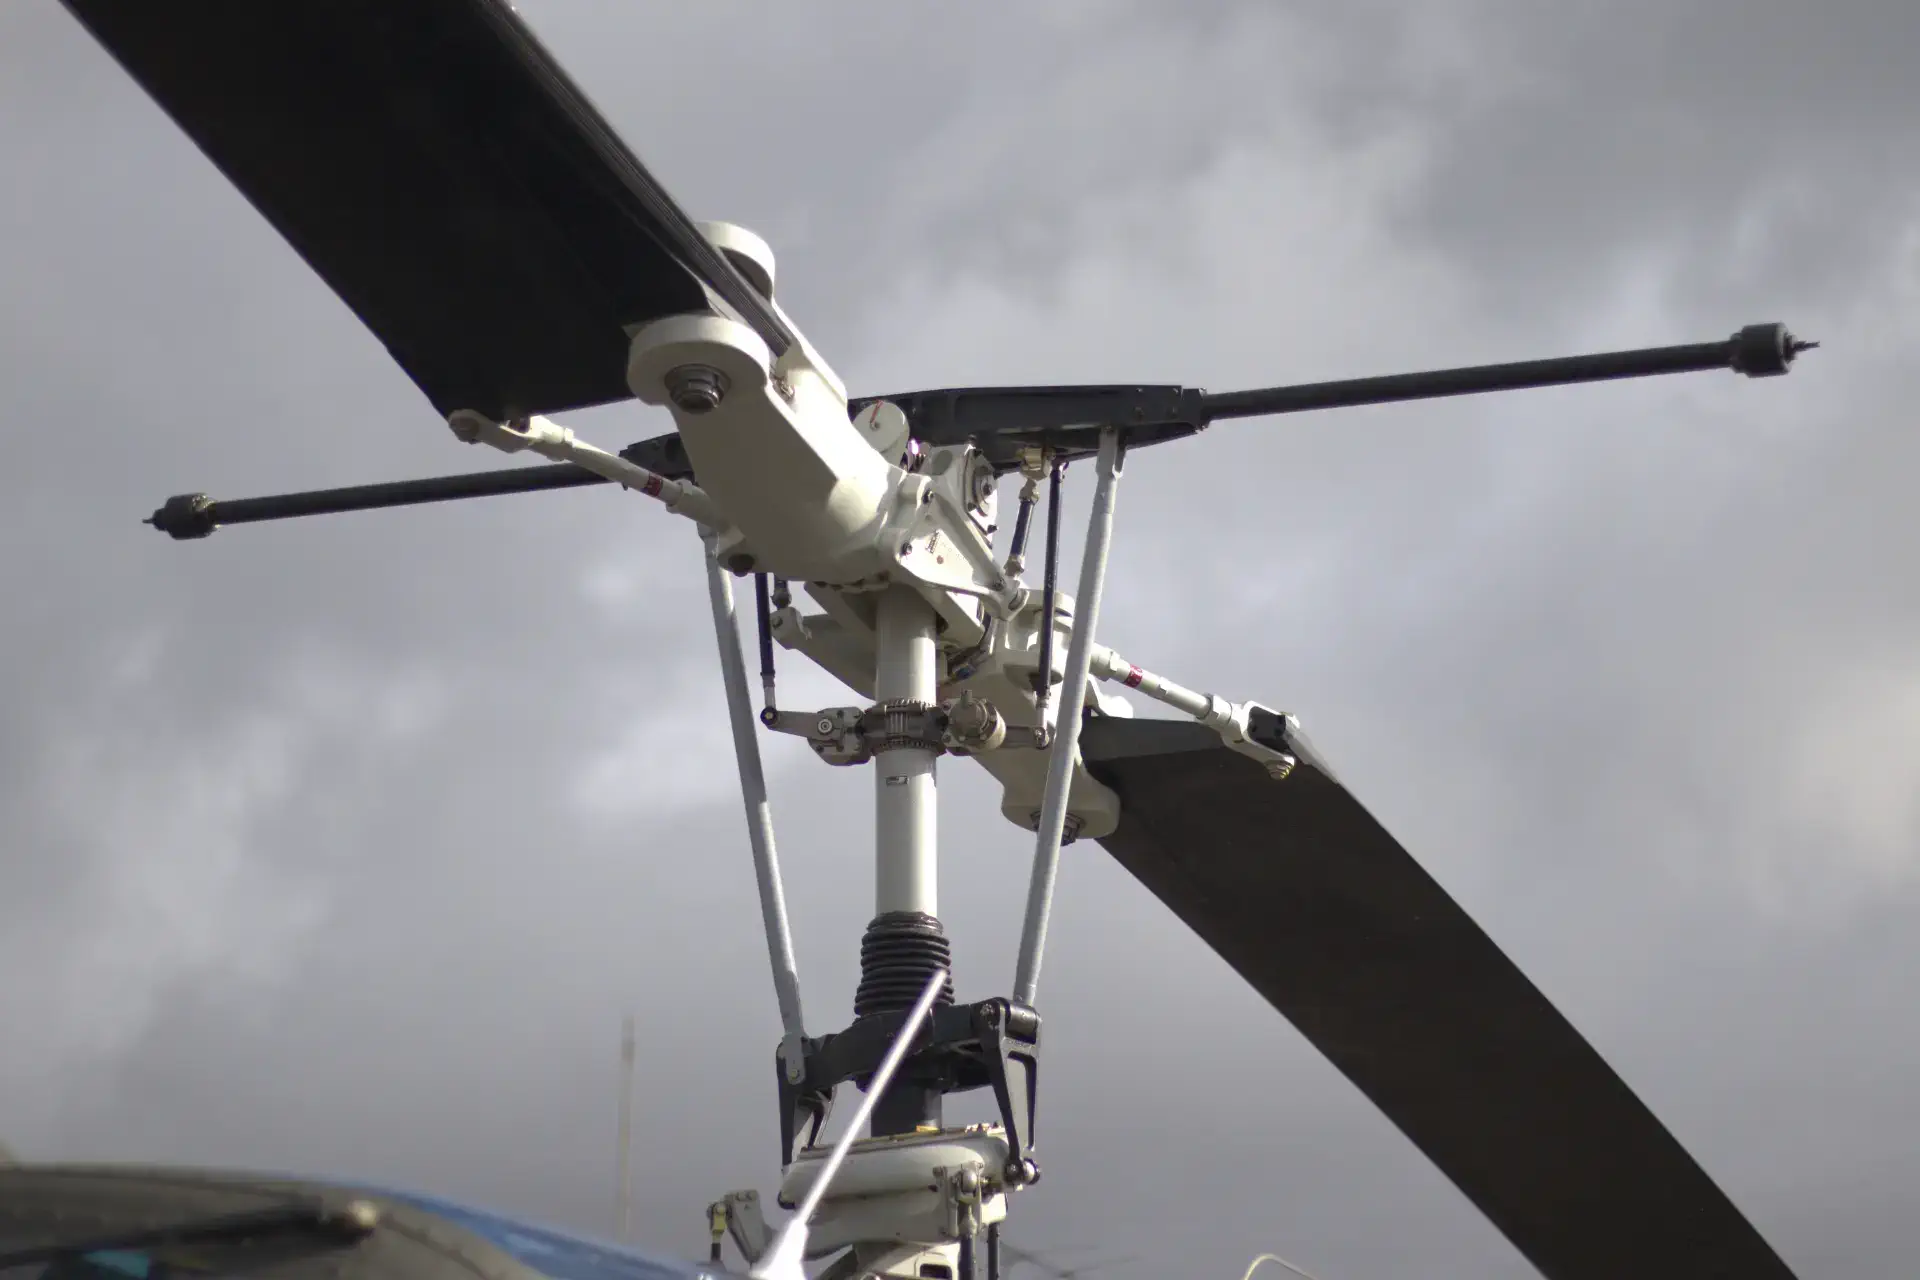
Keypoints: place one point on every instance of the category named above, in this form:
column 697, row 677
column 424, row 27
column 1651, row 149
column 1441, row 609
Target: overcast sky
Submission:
column 343, row 845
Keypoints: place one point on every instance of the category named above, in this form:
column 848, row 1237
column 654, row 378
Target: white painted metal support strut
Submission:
column 906, row 797
column 551, row 440
column 753, row 794
column 1231, row 720
column 1066, row 742
column 1205, row 707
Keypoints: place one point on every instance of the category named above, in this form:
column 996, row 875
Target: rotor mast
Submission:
column 905, row 940
column 906, row 856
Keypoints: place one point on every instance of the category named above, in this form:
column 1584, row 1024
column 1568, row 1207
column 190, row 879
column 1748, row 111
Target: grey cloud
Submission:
column 1780, row 133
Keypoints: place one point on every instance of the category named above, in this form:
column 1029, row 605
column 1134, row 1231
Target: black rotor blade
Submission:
column 1309, row 898
column 437, row 168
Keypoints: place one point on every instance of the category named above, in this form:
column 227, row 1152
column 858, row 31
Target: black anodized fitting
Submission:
column 898, row 953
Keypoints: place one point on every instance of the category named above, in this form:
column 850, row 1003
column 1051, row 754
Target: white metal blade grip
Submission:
column 783, row 1257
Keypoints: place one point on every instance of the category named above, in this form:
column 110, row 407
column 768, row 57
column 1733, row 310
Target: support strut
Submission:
column 1066, row 744
column 753, row 794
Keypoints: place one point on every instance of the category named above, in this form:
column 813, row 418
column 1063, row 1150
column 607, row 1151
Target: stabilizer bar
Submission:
column 1758, row 351
column 1001, row 421
column 195, row 515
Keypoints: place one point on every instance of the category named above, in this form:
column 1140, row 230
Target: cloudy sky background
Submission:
column 344, row 845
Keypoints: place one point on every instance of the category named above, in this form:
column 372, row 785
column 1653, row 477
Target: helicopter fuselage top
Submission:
column 146, row 1222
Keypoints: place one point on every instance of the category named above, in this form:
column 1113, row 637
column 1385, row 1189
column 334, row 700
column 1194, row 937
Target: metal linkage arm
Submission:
column 1247, row 727
column 551, row 440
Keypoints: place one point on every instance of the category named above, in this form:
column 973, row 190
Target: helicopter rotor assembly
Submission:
column 436, row 167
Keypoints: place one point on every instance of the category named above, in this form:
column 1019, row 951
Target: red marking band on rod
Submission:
column 653, row 486
column 1134, row 676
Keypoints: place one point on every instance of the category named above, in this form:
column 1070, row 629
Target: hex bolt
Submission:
column 697, row 388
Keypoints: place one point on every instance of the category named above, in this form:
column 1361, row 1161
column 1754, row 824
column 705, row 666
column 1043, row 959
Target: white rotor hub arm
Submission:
column 551, row 440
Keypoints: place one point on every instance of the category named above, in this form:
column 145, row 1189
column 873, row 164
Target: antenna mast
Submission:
column 623, row 1204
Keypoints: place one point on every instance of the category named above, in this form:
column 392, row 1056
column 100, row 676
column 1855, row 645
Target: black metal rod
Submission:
column 196, row 515
column 402, row 493
column 764, row 608
column 993, row 1252
column 1760, row 350
column 966, row 1258
column 1022, row 523
column 1050, row 577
